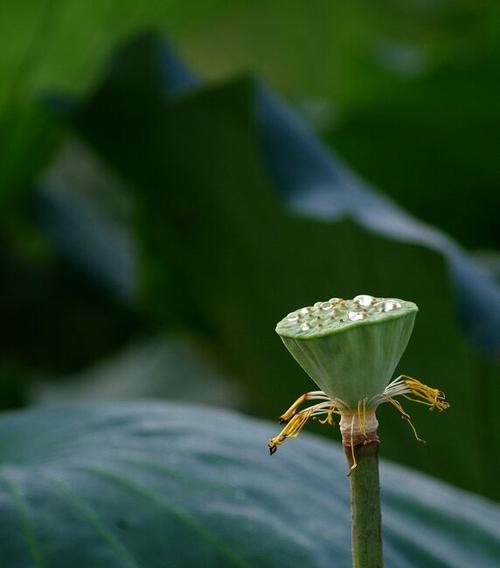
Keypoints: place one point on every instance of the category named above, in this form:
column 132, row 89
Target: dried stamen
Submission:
column 295, row 420
column 291, row 430
column 329, row 417
column 405, row 416
column 313, row 395
column 359, row 425
column 434, row 398
column 405, row 385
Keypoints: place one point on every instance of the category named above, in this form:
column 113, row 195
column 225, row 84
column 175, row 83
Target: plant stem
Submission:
column 365, row 507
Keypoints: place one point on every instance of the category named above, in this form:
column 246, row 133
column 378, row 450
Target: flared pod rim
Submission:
column 337, row 315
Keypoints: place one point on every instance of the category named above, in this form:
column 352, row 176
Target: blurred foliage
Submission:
column 59, row 319
column 173, row 367
column 415, row 140
column 151, row 484
column 412, row 85
column 32, row 138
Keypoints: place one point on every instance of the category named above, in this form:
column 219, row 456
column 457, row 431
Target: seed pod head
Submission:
column 350, row 348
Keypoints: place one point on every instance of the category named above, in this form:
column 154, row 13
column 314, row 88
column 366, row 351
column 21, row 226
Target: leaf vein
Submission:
column 93, row 519
column 190, row 521
column 26, row 522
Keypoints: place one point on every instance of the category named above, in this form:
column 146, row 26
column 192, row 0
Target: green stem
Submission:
column 365, row 508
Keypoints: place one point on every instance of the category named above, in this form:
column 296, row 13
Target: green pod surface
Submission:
column 350, row 348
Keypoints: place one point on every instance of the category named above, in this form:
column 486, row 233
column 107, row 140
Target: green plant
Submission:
column 350, row 348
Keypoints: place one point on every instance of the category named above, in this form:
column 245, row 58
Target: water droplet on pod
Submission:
column 293, row 317
column 304, row 311
column 355, row 316
column 304, row 327
column 364, row 300
column 326, row 306
column 389, row 305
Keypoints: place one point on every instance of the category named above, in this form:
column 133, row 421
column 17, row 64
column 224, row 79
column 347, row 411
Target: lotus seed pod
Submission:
column 350, row 348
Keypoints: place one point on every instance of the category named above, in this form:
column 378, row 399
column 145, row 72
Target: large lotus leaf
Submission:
column 155, row 484
column 215, row 231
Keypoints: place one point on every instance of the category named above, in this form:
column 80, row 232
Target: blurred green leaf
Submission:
column 60, row 320
column 348, row 54
column 170, row 367
column 87, row 216
column 31, row 138
column 151, row 484
column 433, row 144
column 49, row 44
column 53, row 45
column 13, row 385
